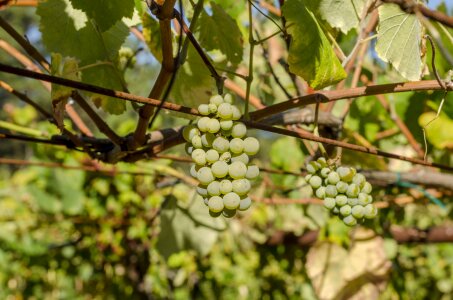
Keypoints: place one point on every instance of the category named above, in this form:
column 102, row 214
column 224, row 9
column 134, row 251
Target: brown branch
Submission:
column 412, row 7
column 100, row 123
column 335, row 95
column 24, row 44
column 438, row 234
column 373, row 151
column 165, row 73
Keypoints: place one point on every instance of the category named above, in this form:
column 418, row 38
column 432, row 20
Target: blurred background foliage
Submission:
column 140, row 232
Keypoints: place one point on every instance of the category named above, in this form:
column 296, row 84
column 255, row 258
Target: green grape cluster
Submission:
column 344, row 191
column 220, row 150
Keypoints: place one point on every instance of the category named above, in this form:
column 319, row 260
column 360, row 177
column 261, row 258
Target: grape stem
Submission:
column 316, row 131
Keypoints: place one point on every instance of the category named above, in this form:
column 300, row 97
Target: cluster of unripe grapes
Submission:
column 220, row 150
column 344, row 191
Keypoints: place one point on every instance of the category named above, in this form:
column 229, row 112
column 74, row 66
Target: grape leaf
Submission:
column 310, row 54
column 68, row 31
column 286, row 154
column 220, row 31
column 439, row 131
column 342, row 14
column 398, row 41
column 106, row 13
column 151, row 33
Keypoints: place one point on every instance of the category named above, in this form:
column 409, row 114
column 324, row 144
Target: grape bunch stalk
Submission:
column 221, row 151
column 344, row 191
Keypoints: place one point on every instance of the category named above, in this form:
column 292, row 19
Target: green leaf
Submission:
column 398, row 41
column 68, row 31
column 342, row 14
column 105, row 12
column 151, row 33
column 310, row 54
column 439, row 131
column 285, row 153
column 220, row 32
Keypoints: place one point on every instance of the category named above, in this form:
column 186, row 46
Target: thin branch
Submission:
column 250, row 73
column 412, row 7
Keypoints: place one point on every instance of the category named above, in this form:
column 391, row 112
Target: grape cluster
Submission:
column 220, row 149
column 344, row 191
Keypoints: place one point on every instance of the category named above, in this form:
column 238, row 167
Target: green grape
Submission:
column 333, row 178
column 237, row 170
column 207, row 139
column 314, row 166
column 245, row 203
column 203, row 109
column 215, row 214
column 324, row 172
column 346, row 174
column 213, row 126
column 341, row 200
column 213, row 188
column 353, row 190
column 335, row 210
column 317, row 164
column 221, row 144
column 225, row 111
column 349, row 220
column 219, row 169
column 231, row 200
column 251, row 146
column 329, row 202
column 345, row 210
column 322, row 161
column 311, row 169
column 196, row 142
column 241, row 157
column 206, row 201
column 202, row 191
column 225, row 186
column 226, row 157
column 202, row 123
column 199, row 156
column 238, row 130
column 358, row 211
column 321, row 192
column 359, row 180
column 315, row 182
column 212, row 108
column 353, row 201
column 367, row 188
column 215, row 204
column 193, row 170
column 342, row 187
column 228, row 98
column 252, row 172
column 241, row 186
column 226, row 125
column 307, row 177
column 216, row 99
column 370, row 211
column 189, row 132
column 364, row 199
column 212, row 156
column 229, row 213
column 331, row 191
column 205, row 176
column 236, row 113
column 236, row 146
column 189, row 148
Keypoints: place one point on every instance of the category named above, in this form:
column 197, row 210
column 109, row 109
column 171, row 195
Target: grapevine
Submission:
column 345, row 192
column 221, row 150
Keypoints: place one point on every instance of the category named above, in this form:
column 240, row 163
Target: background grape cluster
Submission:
column 345, row 192
column 221, row 152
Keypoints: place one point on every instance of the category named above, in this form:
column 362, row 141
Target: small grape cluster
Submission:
column 220, row 150
column 344, row 191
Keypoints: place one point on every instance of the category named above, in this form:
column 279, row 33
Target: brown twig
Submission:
column 412, row 7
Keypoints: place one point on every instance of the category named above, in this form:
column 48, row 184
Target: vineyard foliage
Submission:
column 139, row 230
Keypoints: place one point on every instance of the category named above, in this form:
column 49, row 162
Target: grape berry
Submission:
column 345, row 192
column 220, row 149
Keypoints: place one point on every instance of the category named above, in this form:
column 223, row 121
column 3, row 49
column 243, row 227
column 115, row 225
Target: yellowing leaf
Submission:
column 398, row 41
